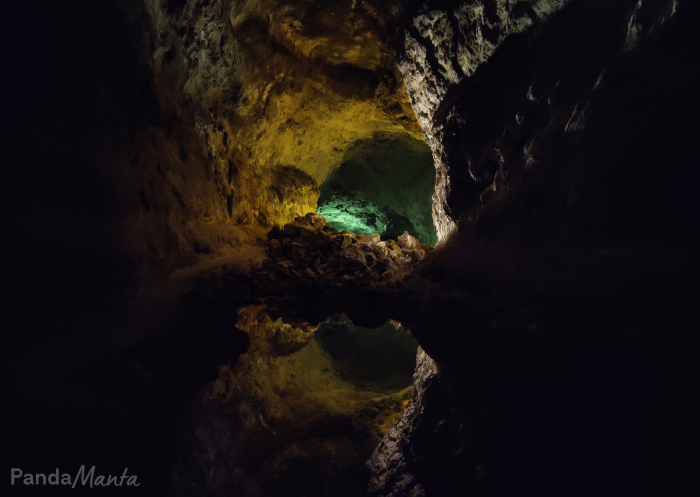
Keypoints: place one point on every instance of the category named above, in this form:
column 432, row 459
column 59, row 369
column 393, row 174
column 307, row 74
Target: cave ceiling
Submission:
column 328, row 80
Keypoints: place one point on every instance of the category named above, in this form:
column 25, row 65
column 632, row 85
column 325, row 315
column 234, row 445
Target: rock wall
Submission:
column 275, row 95
column 271, row 97
column 443, row 45
column 560, row 297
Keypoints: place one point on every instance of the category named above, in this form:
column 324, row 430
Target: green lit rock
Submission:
column 385, row 186
column 353, row 211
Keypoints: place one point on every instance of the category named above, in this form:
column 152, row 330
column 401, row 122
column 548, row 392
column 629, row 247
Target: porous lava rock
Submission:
column 559, row 308
column 443, row 45
column 182, row 129
column 276, row 94
column 308, row 251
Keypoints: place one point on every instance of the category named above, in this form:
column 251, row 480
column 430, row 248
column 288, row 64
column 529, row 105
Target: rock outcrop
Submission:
column 311, row 272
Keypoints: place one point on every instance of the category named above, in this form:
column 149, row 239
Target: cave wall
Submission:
column 558, row 305
column 574, row 138
column 443, row 45
column 272, row 131
column 487, row 138
column 247, row 143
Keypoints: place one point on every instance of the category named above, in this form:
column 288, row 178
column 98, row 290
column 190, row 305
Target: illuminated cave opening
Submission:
column 381, row 358
column 384, row 187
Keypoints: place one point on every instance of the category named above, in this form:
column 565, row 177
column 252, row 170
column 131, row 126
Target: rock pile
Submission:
column 308, row 251
column 311, row 273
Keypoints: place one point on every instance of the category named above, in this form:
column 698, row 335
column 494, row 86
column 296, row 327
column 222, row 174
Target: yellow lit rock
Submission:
column 286, row 382
column 259, row 138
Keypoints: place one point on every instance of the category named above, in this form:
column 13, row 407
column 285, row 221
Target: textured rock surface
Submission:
column 561, row 296
column 419, row 455
column 142, row 136
column 311, row 273
column 443, row 45
column 190, row 124
column 327, row 82
column 307, row 251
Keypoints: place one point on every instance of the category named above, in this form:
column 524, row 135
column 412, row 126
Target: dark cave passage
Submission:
column 386, row 189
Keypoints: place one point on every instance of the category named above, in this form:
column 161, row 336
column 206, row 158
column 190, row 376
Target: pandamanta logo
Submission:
column 18, row 477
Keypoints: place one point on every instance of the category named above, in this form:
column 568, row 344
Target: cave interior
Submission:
column 381, row 248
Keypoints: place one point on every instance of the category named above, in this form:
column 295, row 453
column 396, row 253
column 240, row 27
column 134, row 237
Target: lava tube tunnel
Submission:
column 359, row 248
